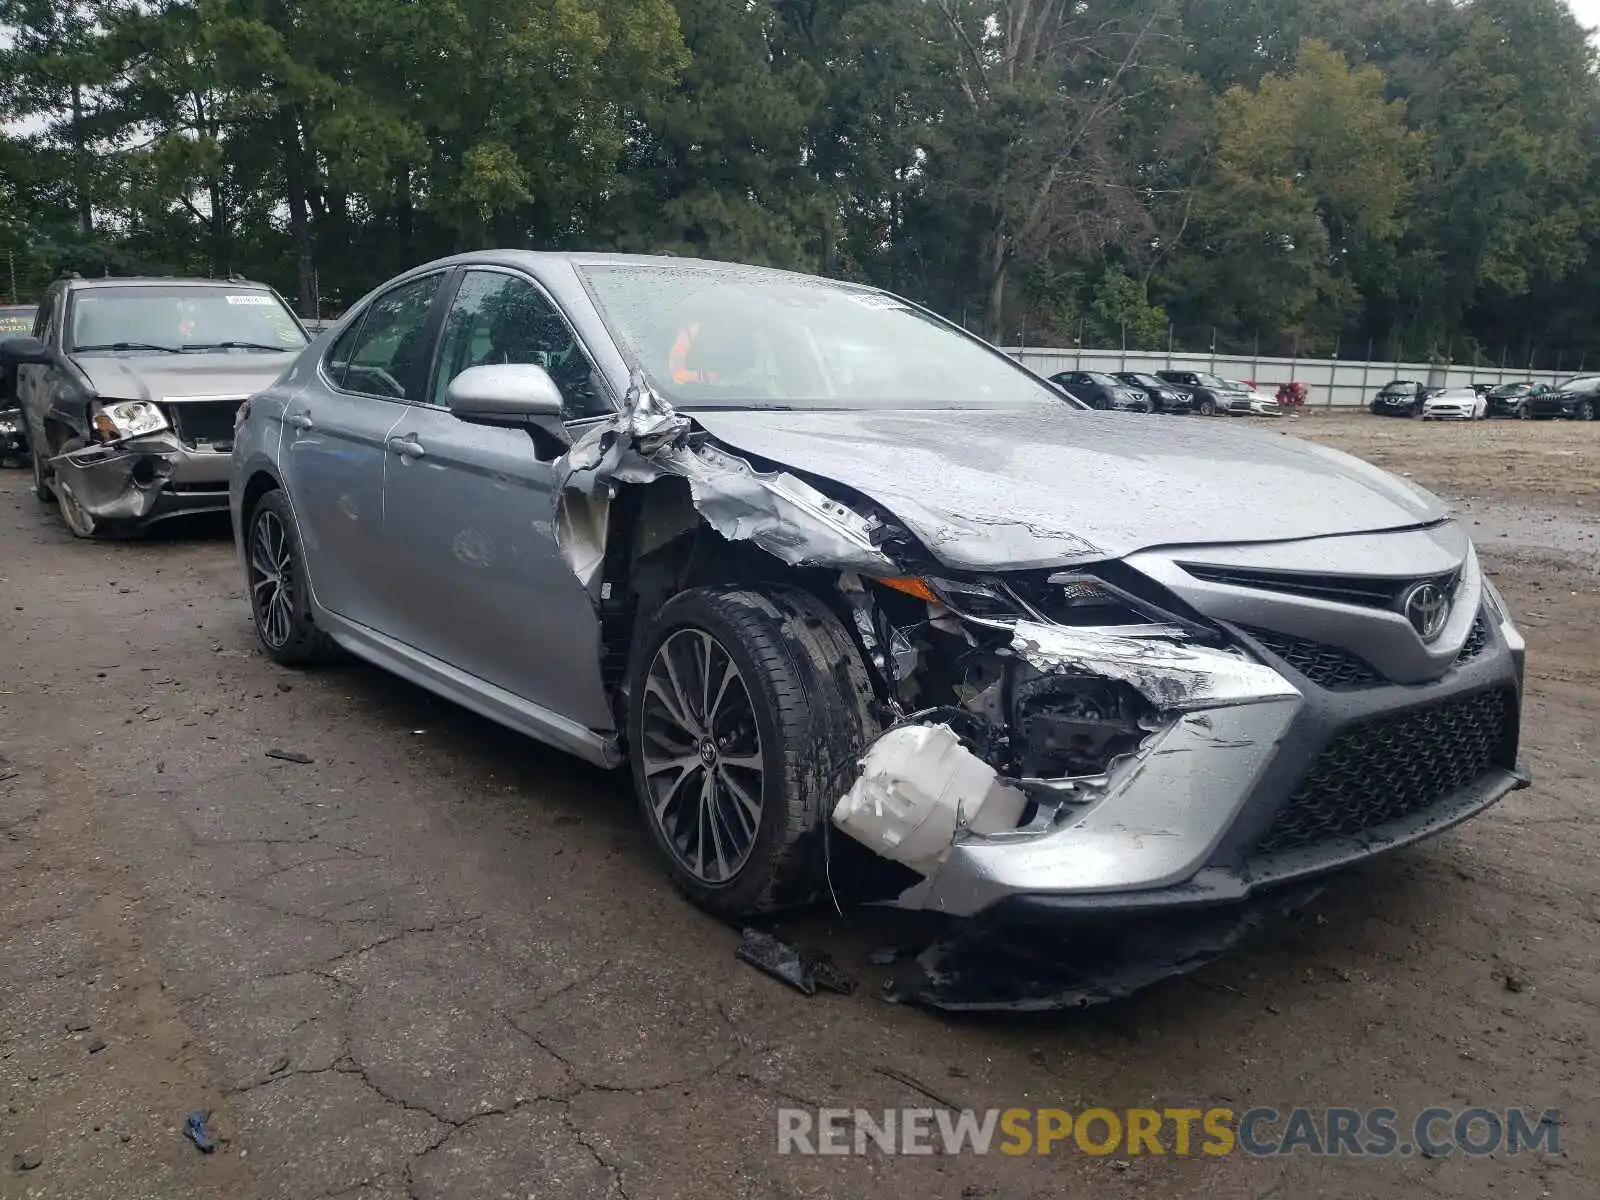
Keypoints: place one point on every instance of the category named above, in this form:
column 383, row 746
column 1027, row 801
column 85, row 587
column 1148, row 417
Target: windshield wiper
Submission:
column 238, row 346
column 128, row 346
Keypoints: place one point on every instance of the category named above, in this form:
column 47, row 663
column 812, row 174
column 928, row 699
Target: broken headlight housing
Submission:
column 118, row 419
column 1073, row 598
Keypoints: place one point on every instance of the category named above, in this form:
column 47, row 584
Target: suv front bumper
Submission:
column 137, row 481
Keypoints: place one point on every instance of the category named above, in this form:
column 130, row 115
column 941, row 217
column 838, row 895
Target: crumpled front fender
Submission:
column 121, row 481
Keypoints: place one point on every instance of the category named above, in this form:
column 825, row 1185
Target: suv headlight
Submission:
column 126, row 419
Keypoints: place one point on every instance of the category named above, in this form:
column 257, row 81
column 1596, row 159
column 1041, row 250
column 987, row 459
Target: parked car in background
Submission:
column 1102, row 391
column 1400, row 398
column 1163, row 396
column 1455, row 404
column 1208, row 393
column 129, row 391
column 1261, row 404
column 1508, row 399
column 15, row 320
column 773, row 540
column 1578, row 399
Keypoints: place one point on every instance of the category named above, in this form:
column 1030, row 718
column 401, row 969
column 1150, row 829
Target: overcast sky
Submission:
column 1587, row 11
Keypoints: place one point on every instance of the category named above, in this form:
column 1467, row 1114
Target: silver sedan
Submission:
column 857, row 600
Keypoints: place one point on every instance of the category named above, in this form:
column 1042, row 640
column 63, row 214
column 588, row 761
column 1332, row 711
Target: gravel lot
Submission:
column 440, row 961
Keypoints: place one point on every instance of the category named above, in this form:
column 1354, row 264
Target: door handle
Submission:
column 407, row 447
column 302, row 421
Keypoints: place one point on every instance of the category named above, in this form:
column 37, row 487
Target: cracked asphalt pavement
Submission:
column 439, row 960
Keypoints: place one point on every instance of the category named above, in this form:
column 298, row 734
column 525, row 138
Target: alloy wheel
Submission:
column 272, row 580
column 701, row 755
column 1585, row 410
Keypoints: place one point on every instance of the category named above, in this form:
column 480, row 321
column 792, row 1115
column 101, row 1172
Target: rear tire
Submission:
column 275, row 578
column 790, row 712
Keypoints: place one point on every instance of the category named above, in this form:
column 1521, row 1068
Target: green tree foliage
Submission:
column 1414, row 173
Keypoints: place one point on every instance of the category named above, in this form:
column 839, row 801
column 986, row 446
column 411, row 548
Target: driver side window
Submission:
column 390, row 355
column 501, row 318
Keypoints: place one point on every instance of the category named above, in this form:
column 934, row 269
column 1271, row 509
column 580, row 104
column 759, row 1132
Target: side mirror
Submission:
column 25, row 350
column 504, row 394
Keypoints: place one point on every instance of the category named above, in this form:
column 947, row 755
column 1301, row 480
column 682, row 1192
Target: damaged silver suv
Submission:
column 862, row 602
column 128, row 390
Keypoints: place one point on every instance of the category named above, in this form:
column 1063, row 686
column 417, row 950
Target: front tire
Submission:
column 41, row 485
column 747, row 713
column 1205, row 406
column 280, row 596
column 77, row 518
column 1584, row 411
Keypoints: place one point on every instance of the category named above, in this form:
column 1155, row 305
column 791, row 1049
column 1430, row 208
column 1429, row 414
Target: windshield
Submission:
column 744, row 337
column 180, row 318
column 1144, row 380
column 1582, row 383
column 1212, row 381
column 1102, row 380
column 1509, row 389
column 1397, row 386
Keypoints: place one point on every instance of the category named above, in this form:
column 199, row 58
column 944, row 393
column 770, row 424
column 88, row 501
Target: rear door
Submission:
column 469, row 511
column 335, row 446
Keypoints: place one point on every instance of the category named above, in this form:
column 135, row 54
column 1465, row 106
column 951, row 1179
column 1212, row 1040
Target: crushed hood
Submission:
column 1049, row 486
column 180, row 376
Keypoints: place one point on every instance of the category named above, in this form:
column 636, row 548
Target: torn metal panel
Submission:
column 120, row 481
column 776, row 510
column 1160, row 662
column 781, row 513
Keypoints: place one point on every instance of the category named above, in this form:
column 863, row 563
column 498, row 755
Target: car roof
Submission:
column 604, row 258
column 116, row 281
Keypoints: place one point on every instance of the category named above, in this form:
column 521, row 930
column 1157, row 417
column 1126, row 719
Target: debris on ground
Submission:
column 78, row 1025
column 980, row 967
column 194, row 1128
column 803, row 970
column 280, row 1066
column 292, row 756
column 28, row 1160
column 97, row 1045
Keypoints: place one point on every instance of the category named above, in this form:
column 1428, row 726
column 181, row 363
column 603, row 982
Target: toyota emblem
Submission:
column 1427, row 607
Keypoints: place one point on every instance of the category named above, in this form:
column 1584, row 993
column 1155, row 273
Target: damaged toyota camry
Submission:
column 863, row 604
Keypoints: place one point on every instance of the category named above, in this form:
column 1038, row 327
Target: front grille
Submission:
column 1326, row 666
column 1367, row 591
column 1477, row 641
column 203, row 420
column 1393, row 766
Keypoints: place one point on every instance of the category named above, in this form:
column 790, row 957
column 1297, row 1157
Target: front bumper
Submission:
column 1453, row 412
column 1394, row 408
column 137, row 481
column 1264, row 773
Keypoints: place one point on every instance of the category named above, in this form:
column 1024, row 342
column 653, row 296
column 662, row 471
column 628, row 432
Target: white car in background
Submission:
column 1261, row 404
column 1455, row 404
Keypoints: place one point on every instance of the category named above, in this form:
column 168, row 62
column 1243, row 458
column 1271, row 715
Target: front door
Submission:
column 469, row 513
column 335, row 439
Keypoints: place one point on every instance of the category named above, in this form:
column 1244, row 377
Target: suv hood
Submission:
column 997, row 489
column 182, row 376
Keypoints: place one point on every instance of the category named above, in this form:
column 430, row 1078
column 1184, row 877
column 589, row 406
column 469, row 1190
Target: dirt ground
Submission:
column 440, row 961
